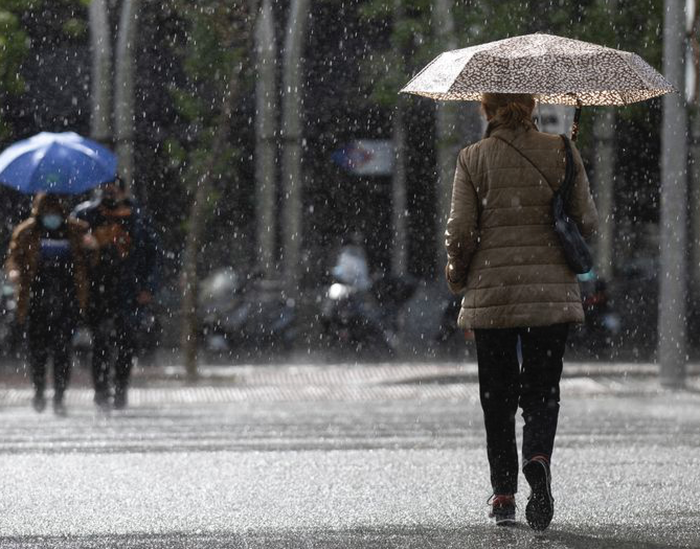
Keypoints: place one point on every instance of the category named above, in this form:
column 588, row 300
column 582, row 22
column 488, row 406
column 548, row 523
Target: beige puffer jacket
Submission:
column 503, row 254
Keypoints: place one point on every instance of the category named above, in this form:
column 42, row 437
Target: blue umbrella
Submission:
column 57, row 163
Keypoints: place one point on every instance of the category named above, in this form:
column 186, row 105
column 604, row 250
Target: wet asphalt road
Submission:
column 214, row 468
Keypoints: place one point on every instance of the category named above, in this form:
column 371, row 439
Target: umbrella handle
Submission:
column 577, row 117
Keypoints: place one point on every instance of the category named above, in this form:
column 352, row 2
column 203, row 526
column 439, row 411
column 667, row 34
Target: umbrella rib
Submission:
column 40, row 164
column 649, row 86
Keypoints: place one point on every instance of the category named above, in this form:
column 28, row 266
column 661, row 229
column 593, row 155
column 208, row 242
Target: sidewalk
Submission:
column 168, row 385
column 339, row 457
column 384, row 372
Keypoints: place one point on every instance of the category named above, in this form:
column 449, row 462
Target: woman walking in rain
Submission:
column 506, row 260
column 48, row 263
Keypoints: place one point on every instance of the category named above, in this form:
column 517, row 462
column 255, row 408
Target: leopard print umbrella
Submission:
column 554, row 69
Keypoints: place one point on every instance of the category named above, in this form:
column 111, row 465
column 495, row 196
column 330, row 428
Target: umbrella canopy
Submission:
column 554, row 69
column 58, row 163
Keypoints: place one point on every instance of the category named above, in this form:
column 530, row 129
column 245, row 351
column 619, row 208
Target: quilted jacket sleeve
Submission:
column 581, row 206
column 461, row 236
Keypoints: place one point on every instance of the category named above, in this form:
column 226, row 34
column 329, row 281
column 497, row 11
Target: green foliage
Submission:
column 212, row 47
column 389, row 66
column 634, row 25
column 51, row 21
column 26, row 23
column 413, row 39
column 189, row 105
column 630, row 25
column 13, row 48
column 75, row 28
column 176, row 153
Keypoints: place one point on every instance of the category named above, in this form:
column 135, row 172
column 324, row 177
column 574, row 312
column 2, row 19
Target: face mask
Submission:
column 52, row 221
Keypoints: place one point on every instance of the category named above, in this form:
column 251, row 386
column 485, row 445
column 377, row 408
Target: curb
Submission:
column 378, row 373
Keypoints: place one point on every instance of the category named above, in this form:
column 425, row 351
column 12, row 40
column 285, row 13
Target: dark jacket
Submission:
column 23, row 257
column 503, row 253
column 128, row 259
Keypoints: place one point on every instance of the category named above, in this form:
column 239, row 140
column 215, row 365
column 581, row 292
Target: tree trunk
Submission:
column 193, row 242
column 101, row 77
column 266, row 136
column 448, row 142
column 124, row 83
column 399, row 204
column 694, row 173
column 693, row 70
column 674, row 163
column 292, row 176
column 604, row 132
column 190, row 280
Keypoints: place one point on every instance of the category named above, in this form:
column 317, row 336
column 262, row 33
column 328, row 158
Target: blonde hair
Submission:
column 509, row 110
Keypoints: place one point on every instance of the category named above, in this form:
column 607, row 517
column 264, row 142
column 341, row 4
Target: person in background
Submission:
column 518, row 290
column 48, row 260
column 123, row 280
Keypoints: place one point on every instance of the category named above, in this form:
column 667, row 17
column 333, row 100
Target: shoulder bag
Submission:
column 577, row 253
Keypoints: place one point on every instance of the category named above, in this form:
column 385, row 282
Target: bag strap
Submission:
column 568, row 175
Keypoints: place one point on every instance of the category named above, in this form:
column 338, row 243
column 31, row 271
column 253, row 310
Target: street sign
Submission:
column 367, row 157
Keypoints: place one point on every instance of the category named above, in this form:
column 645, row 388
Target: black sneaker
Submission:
column 120, row 399
column 540, row 505
column 59, row 408
column 502, row 510
column 102, row 400
column 39, row 402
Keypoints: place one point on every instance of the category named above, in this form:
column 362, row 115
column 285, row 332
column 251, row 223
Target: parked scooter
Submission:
column 359, row 314
column 245, row 314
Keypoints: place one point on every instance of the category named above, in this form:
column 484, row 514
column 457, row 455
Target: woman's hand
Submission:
column 456, row 281
column 451, row 274
column 89, row 242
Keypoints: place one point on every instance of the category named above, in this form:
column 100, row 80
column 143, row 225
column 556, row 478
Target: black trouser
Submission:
column 112, row 335
column 504, row 384
column 49, row 335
